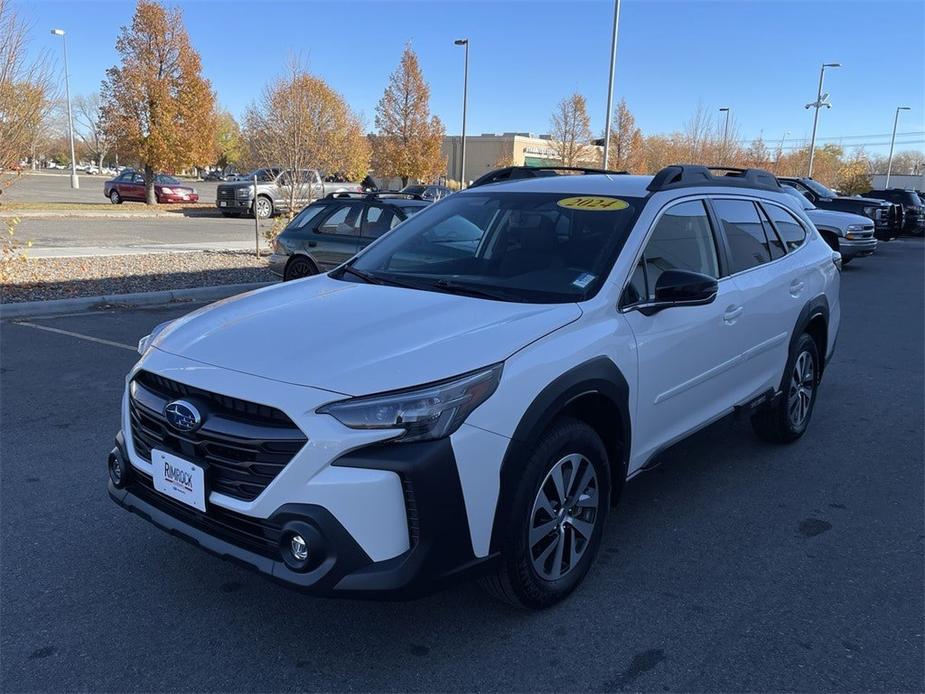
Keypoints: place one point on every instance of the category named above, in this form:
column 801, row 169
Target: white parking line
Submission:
column 89, row 338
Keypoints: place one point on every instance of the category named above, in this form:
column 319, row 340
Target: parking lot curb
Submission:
column 88, row 303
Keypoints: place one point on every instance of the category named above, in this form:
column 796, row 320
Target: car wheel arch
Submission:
column 593, row 392
column 301, row 255
column 813, row 320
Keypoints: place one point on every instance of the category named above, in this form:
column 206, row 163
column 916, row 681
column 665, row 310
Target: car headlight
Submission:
column 146, row 341
column 869, row 211
column 854, row 227
column 425, row 413
column 243, row 192
column 167, row 191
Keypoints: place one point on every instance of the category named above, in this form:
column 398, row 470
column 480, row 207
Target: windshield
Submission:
column 263, row 175
column 163, row 178
column 521, row 247
column 819, row 189
column 804, row 203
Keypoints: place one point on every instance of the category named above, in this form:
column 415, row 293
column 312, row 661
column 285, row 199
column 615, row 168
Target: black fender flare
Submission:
column 595, row 376
column 819, row 306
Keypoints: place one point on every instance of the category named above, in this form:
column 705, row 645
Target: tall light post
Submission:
column 613, row 65
column 889, row 166
column 462, row 168
column 70, row 120
column 725, row 132
column 821, row 100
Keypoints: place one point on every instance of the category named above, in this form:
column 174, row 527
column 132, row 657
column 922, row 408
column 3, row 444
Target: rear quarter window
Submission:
column 790, row 228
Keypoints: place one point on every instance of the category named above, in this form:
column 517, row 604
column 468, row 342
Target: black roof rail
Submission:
column 692, row 175
column 509, row 173
column 372, row 195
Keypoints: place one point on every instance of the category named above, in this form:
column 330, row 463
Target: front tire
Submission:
column 788, row 418
column 554, row 527
column 263, row 207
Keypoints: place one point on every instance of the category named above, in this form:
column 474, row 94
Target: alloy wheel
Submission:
column 802, row 384
column 563, row 517
column 263, row 208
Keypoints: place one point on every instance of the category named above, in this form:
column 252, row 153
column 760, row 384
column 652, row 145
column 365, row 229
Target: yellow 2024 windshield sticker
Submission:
column 593, row 203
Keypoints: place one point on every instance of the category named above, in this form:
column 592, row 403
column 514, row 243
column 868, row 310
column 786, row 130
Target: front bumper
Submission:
column 856, row 248
column 235, row 205
column 440, row 547
column 190, row 197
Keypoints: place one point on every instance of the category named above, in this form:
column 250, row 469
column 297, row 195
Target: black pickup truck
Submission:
column 912, row 204
column 887, row 217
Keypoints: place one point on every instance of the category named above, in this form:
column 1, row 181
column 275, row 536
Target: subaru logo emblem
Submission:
column 182, row 416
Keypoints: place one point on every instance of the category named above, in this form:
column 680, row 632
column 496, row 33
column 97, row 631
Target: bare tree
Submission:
column 626, row 142
column 571, row 132
column 88, row 114
column 301, row 123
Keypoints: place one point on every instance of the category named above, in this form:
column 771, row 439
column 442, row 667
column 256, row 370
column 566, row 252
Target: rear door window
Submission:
column 775, row 245
column 788, row 226
column 748, row 244
column 378, row 221
column 343, row 221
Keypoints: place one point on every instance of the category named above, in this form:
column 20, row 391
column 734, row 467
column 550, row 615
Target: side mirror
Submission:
column 681, row 288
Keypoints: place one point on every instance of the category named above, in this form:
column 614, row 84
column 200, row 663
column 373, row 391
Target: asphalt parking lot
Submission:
column 733, row 566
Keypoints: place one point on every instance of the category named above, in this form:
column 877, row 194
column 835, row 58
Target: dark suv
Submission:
column 912, row 204
column 335, row 228
column 888, row 218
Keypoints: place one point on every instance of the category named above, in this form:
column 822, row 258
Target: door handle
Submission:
column 796, row 287
column 732, row 314
column 312, row 244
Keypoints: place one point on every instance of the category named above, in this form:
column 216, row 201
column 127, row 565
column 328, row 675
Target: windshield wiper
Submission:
column 377, row 279
column 452, row 287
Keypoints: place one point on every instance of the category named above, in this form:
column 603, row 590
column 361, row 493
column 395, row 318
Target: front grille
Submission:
column 253, row 534
column 225, row 193
column 242, row 445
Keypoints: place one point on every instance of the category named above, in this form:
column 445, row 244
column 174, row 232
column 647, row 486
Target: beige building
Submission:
column 489, row 151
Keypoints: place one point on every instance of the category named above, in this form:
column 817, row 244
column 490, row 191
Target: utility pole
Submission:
column 889, row 166
column 821, row 100
column 462, row 172
column 613, row 65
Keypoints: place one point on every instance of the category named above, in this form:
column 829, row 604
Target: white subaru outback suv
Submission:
column 468, row 395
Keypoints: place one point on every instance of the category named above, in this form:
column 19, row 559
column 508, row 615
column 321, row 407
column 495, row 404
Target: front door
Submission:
column 686, row 354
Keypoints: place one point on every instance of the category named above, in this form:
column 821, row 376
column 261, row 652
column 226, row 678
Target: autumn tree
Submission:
column 408, row 138
column 626, row 141
column 300, row 123
column 157, row 106
column 570, row 129
column 25, row 89
column 855, row 176
column 229, row 145
column 88, row 117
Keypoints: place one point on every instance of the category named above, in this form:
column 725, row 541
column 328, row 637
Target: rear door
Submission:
column 759, row 266
column 336, row 237
column 687, row 354
column 377, row 220
column 132, row 187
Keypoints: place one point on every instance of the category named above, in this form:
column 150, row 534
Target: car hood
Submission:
column 357, row 339
column 836, row 220
column 864, row 201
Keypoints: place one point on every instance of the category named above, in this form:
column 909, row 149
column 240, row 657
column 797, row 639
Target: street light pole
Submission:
column 821, row 100
column 889, row 166
column 75, row 183
column 725, row 132
column 462, row 168
column 613, row 64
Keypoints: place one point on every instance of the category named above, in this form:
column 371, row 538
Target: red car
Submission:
column 130, row 185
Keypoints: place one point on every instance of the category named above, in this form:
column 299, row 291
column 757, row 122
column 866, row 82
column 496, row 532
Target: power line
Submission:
column 837, row 138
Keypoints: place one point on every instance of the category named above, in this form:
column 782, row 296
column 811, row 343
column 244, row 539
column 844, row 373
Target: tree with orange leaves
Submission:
column 157, row 107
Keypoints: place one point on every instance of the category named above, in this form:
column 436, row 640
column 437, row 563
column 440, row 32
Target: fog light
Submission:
column 298, row 548
column 116, row 470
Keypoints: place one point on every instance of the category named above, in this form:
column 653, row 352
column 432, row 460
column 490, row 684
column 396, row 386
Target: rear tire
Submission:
column 550, row 542
column 299, row 267
column 115, row 198
column 788, row 419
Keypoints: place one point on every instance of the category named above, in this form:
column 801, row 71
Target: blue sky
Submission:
column 761, row 58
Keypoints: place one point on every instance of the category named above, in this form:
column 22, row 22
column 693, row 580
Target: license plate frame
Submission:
column 179, row 479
